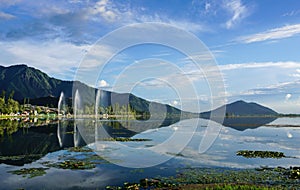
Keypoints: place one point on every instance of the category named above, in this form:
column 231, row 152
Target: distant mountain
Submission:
column 28, row 82
column 242, row 115
column 242, row 108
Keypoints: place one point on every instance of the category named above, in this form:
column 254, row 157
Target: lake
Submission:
column 148, row 149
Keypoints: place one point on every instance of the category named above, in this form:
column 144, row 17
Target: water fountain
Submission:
column 76, row 112
column 61, row 128
column 97, row 104
column 100, row 132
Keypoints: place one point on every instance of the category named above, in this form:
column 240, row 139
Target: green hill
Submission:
column 28, row 82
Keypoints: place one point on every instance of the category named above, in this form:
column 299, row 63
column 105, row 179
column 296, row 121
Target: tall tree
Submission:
column 3, row 94
column 2, row 105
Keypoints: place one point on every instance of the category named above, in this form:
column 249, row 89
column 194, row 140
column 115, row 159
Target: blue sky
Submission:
column 255, row 43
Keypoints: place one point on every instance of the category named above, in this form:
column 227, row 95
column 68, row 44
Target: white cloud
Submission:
column 194, row 74
column 52, row 9
column 183, row 24
column 79, row 21
column 44, row 8
column 240, row 80
column 187, row 25
column 9, row 2
column 287, row 97
column 284, row 85
column 56, row 58
column 157, row 83
column 174, row 103
column 276, row 89
column 118, row 15
column 238, row 10
column 268, row 83
column 103, row 84
column 292, row 13
column 297, row 74
column 207, row 6
column 273, row 34
column 287, row 65
column 6, row 16
column 104, row 9
column 96, row 55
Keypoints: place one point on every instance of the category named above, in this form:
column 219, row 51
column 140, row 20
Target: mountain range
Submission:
column 40, row 89
column 28, row 82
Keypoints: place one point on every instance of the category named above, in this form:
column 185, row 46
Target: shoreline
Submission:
column 70, row 116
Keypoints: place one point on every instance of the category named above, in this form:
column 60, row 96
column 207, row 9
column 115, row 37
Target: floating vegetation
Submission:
column 175, row 154
column 149, row 145
column 225, row 186
column 84, row 158
column 158, row 184
column 293, row 172
column 260, row 154
column 20, row 159
column 143, row 184
column 95, row 159
column 80, row 158
column 30, row 172
column 79, row 149
column 222, row 178
column 280, row 126
column 73, row 165
column 279, row 177
column 122, row 139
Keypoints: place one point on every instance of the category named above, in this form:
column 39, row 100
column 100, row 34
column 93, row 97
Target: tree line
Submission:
column 8, row 105
column 115, row 109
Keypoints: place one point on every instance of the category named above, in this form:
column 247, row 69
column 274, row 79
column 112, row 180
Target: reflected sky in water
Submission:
column 221, row 154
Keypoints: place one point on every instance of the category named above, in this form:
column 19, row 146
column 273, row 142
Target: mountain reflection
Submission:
column 243, row 123
column 23, row 142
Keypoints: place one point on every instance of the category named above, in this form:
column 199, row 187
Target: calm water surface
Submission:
column 47, row 142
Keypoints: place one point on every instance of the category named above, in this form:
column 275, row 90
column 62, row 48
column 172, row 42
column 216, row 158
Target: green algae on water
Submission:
column 260, row 154
column 30, row 172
